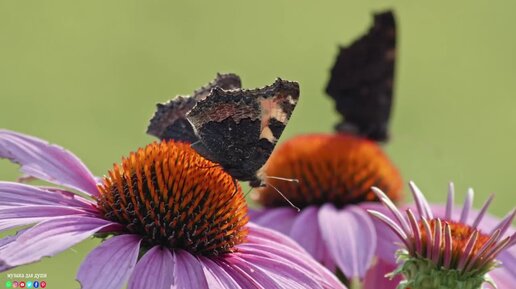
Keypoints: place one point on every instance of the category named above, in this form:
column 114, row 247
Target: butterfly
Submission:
column 233, row 127
column 362, row 80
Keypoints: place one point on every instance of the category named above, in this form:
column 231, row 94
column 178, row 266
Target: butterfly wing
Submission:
column 239, row 128
column 362, row 80
column 170, row 122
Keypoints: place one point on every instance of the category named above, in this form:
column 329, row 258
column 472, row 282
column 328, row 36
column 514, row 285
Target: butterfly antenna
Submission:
column 249, row 191
column 283, row 179
column 285, row 197
column 235, row 184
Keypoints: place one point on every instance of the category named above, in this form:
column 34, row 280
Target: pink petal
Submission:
column 387, row 240
column 266, row 247
column 307, row 221
column 422, row 204
column 256, row 213
column 259, row 234
column 241, row 277
column 9, row 239
column 508, row 259
column 49, row 238
column 273, row 273
column 351, row 238
column 279, row 219
column 216, row 276
column 16, row 194
column 155, row 270
column 189, row 272
column 13, row 217
column 486, row 224
column 46, row 161
column 503, row 277
column 468, row 204
column 109, row 265
column 375, row 277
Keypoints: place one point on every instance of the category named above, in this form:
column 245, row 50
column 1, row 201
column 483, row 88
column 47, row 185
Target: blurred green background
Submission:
column 87, row 76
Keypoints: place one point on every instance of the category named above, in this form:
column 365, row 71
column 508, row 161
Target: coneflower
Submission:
column 336, row 171
column 171, row 219
column 443, row 251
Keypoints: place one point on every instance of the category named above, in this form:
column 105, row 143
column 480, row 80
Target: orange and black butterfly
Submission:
column 233, row 127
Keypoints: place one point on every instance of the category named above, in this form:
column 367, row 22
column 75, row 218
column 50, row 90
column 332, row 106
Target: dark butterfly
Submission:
column 362, row 80
column 233, row 127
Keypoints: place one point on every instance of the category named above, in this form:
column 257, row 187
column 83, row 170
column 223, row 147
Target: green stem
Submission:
column 355, row 284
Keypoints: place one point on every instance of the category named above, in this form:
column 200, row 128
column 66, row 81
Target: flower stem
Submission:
column 356, row 284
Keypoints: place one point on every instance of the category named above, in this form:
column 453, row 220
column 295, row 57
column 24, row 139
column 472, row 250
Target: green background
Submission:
column 87, row 74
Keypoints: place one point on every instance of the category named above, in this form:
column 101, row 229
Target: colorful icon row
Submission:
column 28, row 284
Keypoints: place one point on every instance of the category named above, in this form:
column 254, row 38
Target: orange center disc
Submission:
column 172, row 196
column 331, row 168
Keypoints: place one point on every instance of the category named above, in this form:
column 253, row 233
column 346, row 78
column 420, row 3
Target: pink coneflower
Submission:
column 172, row 219
column 445, row 252
column 335, row 173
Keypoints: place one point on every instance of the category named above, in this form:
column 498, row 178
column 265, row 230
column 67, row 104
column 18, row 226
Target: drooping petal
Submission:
column 16, row 194
column 508, row 259
column 269, row 243
column 155, row 270
column 216, row 276
column 46, row 161
column 375, row 277
column 298, row 261
column 109, row 265
column 351, row 238
column 49, row 238
column 387, row 240
column 503, row 277
column 273, row 273
column 189, row 272
column 9, row 239
column 13, row 217
column 264, row 234
column 307, row 221
column 241, row 277
column 279, row 219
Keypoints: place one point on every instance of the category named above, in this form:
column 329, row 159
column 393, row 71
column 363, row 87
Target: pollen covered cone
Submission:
column 331, row 168
column 171, row 196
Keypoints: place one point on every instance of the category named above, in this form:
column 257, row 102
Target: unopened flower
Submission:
column 445, row 252
column 166, row 212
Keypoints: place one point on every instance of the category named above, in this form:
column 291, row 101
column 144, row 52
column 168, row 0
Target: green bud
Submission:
column 422, row 273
